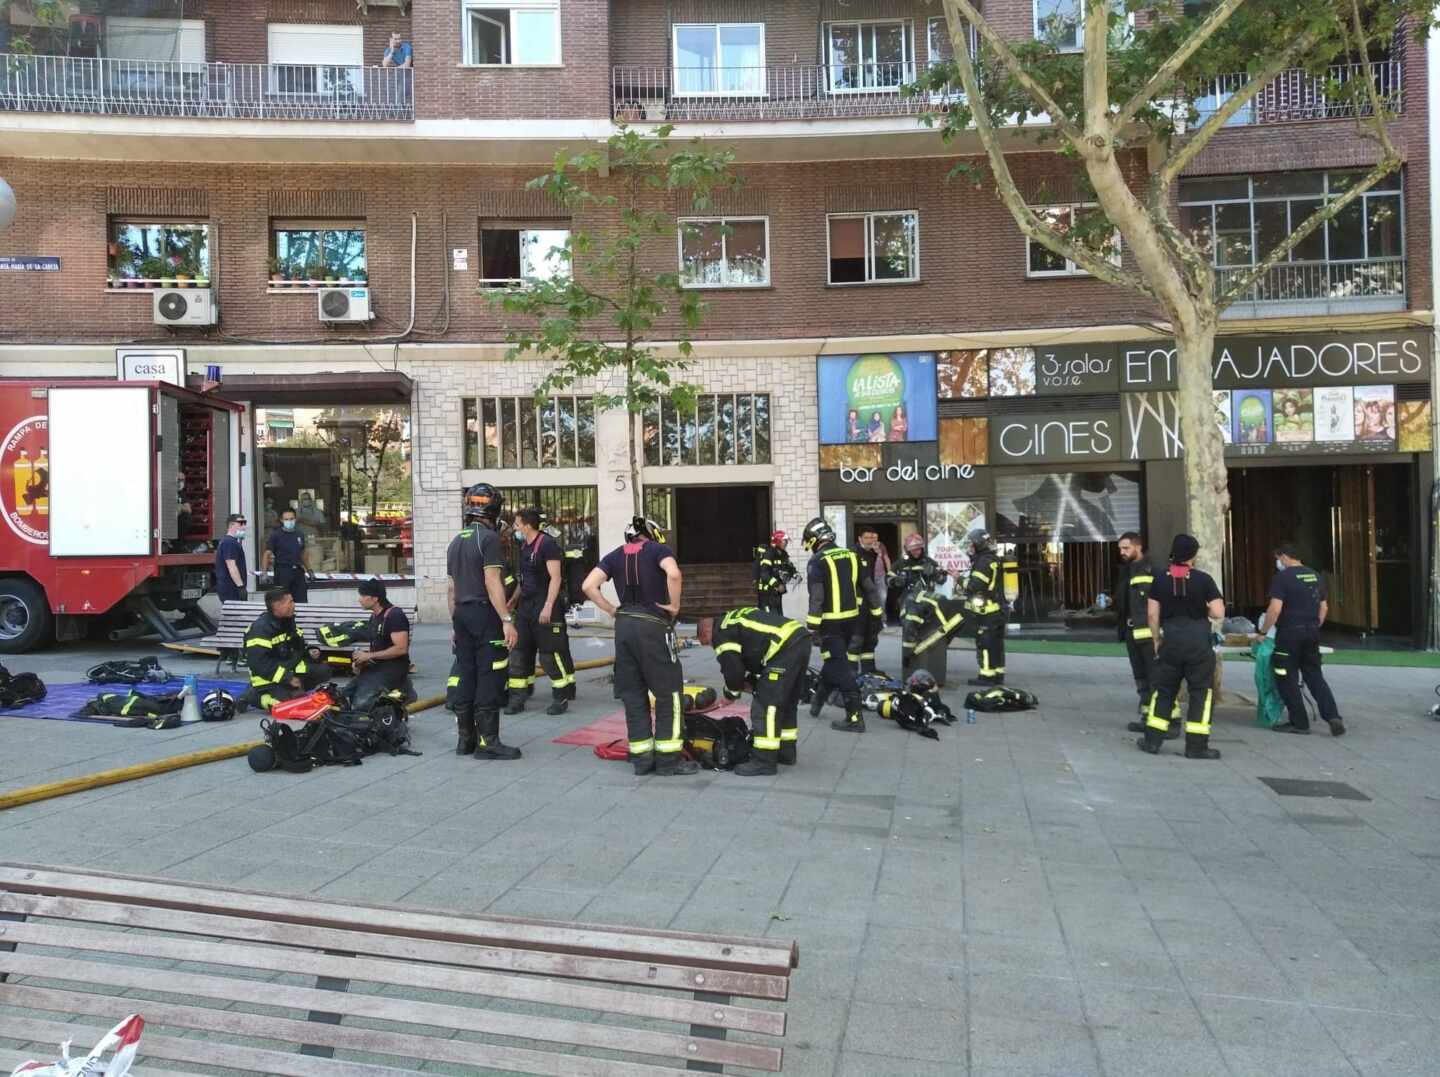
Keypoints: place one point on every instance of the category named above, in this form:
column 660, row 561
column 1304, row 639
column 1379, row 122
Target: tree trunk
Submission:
column 1207, row 494
column 637, row 501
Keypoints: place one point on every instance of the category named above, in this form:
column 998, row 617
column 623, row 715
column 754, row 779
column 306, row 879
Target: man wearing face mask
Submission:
column 230, row 561
column 1298, row 606
column 287, row 557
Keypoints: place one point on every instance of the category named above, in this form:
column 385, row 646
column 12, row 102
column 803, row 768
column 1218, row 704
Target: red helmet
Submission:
column 778, row 538
column 914, row 542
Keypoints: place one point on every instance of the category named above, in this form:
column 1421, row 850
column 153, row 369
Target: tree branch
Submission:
column 1166, row 72
column 1096, row 76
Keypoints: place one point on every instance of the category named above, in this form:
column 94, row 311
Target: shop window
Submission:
column 517, row 432
column 571, row 513
column 869, row 247
column 724, row 252
column 156, row 254
column 719, row 58
column 346, row 473
column 315, row 252
column 513, row 254
column 722, row 428
column 515, row 33
column 1041, row 261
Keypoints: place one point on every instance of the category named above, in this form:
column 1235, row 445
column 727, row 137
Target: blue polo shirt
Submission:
column 230, row 549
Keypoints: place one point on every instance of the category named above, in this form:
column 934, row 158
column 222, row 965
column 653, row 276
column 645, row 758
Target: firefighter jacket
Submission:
column 746, row 640
column 773, row 570
column 930, row 619
column 1135, row 600
column 837, row 587
column 274, row 650
column 985, row 588
column 916, row 573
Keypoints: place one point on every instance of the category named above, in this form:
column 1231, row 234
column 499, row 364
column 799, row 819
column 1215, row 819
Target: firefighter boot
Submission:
column 517, row 701
column 854, row 722
column 760, row 764
column 1171, row 734
column 558, row 705
column 487, row 740
column 1151, row 741
column 788, row 757
column 1197, row 746
column 670, row 764
column 817, row 702
column 466, row 727
column 643, row 762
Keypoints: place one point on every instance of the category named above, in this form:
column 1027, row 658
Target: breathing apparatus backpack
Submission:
column 1000, row 698
column 18, row 689
column 143, row 671
column 717, row 743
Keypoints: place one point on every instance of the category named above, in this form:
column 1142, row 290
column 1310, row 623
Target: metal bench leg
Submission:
column 8, row 947
column 326, row 983
column 708, row 1032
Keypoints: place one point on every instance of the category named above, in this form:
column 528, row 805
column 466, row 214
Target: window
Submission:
column 516, row 432
column 515, row 33
column 722, row 428
column 514, row 253
column 158, row 253
column 315, row 252
column 572, row 512
column 724, row 252
column 720, row 58
column 316, row 59
column 1061, row 24
column 937, row 41
column 868, row 247
column 870, row 55
column 1043, row 262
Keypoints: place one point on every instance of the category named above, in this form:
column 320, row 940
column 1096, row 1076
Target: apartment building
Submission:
column 249, row 183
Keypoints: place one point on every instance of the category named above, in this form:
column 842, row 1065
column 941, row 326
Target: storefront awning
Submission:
column 315, row 390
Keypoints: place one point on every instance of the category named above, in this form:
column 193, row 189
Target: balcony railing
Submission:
column 1372, row 283
column 205, row 91
column 1296, row 95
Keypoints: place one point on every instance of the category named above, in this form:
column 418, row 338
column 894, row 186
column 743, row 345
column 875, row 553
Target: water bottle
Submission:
column 969, row 715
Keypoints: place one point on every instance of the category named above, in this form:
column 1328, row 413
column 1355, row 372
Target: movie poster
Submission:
column 1335, row 413
column 875, row 399
column 1294, row 415
column 1250, row 415
column 947, row 523
column 1375, row 413
column 1222, row 413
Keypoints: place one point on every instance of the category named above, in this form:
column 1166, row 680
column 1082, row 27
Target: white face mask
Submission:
column 289, row 525
column 1279, row 565
column 239, row 532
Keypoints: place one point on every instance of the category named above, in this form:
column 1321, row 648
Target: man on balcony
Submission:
column 398, row 53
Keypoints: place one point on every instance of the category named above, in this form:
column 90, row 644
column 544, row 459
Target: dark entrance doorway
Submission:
column 714, row 531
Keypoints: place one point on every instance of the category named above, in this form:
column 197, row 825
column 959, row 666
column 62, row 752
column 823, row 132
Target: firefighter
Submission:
column 1298, row 607
column 770, row 654
column 1181, row 607
column 875, row 565
column 287, row 557
column 916, row 570
column 837, row 587
column 985, row 599
column 647, row 582
column 540, row 618
column 275, row 651
column 774, row 572
column 484, row 629
column 385, row 663
column 1137, row 575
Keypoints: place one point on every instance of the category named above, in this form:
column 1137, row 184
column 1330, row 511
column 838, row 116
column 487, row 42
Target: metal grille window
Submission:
column 572, row 512
column 722, row 428
column 518, row 432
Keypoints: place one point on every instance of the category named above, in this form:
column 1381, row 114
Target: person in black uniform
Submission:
column 539, row 618
column 1182, row 605
column 287, row 557
column 647, row 582
column 385, row 663
column 985, row 600
column 275, row 651
column 866, row 637
column 769, row 654
column 774, row 572
column 1132, row 603
column 837, row 587
column 1298, row 607
column 484, row 629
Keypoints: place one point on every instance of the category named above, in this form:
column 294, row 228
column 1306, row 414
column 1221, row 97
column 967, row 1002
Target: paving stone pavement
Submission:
column 1028, row 896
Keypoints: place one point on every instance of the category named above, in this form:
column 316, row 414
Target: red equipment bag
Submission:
column 308, row 707
column 616, row 749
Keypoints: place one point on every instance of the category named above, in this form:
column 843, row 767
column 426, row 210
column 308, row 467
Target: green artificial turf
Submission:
column 1411, row 659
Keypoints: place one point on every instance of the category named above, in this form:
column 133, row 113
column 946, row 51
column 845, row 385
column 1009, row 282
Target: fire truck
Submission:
column 112, row 494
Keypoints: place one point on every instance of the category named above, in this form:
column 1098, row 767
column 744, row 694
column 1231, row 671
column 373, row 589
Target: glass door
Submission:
column 868, row 56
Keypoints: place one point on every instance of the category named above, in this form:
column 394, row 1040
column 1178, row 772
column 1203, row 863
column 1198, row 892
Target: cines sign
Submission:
column 1054, row 438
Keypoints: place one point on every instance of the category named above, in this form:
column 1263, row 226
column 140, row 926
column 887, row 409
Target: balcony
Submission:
column 1360, row 286
column 1297, row 96
column 164, row 88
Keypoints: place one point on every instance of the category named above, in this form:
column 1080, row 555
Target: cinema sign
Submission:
column 1297, row 361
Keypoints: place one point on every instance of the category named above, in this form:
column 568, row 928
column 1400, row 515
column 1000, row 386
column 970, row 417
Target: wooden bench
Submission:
column 236, row 618
column 525, row 996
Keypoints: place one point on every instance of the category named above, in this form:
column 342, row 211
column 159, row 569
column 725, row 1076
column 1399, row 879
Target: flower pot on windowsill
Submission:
column 202, row 282
column 167, row 282
column 277, row 280
column 182, row 280
column 330, row 282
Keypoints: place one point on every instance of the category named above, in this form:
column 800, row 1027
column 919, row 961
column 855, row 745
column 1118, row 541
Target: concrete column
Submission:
column 612, row 457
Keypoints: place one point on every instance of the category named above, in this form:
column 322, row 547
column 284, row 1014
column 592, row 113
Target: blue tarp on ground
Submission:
column 63, row 700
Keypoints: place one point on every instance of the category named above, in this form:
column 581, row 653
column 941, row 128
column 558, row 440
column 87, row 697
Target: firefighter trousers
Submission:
column 777, row 699
column 836, row 672
column 552, row 644
column 1185, row 655
column 1297, row 656
column 1141, row 653
column 863, row 641
column 481, row 655
column 769, row 600
column 990, row 646
column 646, row 665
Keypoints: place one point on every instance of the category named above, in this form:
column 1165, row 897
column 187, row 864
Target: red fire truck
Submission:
column 95, row 478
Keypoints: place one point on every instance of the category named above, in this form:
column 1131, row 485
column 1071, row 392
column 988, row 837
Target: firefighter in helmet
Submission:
column 774, row 571
column 837, row 590
column 769, row 654
column 985, row 602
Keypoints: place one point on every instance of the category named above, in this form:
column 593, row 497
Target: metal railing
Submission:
column 207, row 91
column 1292, row 282
column 1296, row 95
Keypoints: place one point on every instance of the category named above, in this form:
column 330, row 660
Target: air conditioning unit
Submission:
column 344, row 304
column 184, row 306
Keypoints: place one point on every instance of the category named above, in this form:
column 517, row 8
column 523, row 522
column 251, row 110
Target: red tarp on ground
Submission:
column 612, row 726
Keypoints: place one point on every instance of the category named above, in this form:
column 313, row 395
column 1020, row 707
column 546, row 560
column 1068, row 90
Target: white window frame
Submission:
column 512, row 6
column 683, row 222
column 521, row 281
column 869, row 218
column 908, row 63
column 971, row 39
column 338, row 74
column 1071, row 268
column 1078, row 45
column 716, row 27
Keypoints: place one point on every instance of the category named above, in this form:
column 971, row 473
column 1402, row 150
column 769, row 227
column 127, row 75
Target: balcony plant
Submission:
column 152, row 269
column 277, row 273
column 315, row 273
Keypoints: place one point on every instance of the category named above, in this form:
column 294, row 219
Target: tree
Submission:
column 603, row 280
column 375, row 453
column 1137, row 84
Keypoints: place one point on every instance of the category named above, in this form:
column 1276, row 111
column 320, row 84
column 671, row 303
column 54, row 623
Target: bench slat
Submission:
column 236, row 618
column 399, row 1010
column 758, row 955
column 608, row 970
column 370, row 1041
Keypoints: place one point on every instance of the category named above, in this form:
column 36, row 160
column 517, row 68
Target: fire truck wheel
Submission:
column 25, row 620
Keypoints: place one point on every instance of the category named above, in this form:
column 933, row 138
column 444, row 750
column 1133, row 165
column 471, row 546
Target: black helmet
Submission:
column 483, row 502
column 979, row 540
column 921, row 682
column 816, row 532
column 217, row 706
column 640, row 527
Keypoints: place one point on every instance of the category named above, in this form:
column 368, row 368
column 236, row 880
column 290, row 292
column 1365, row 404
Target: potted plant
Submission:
column 297, row 276
column 362, row 275
column 277, row 273
column 315, row 273
column 152, row 269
